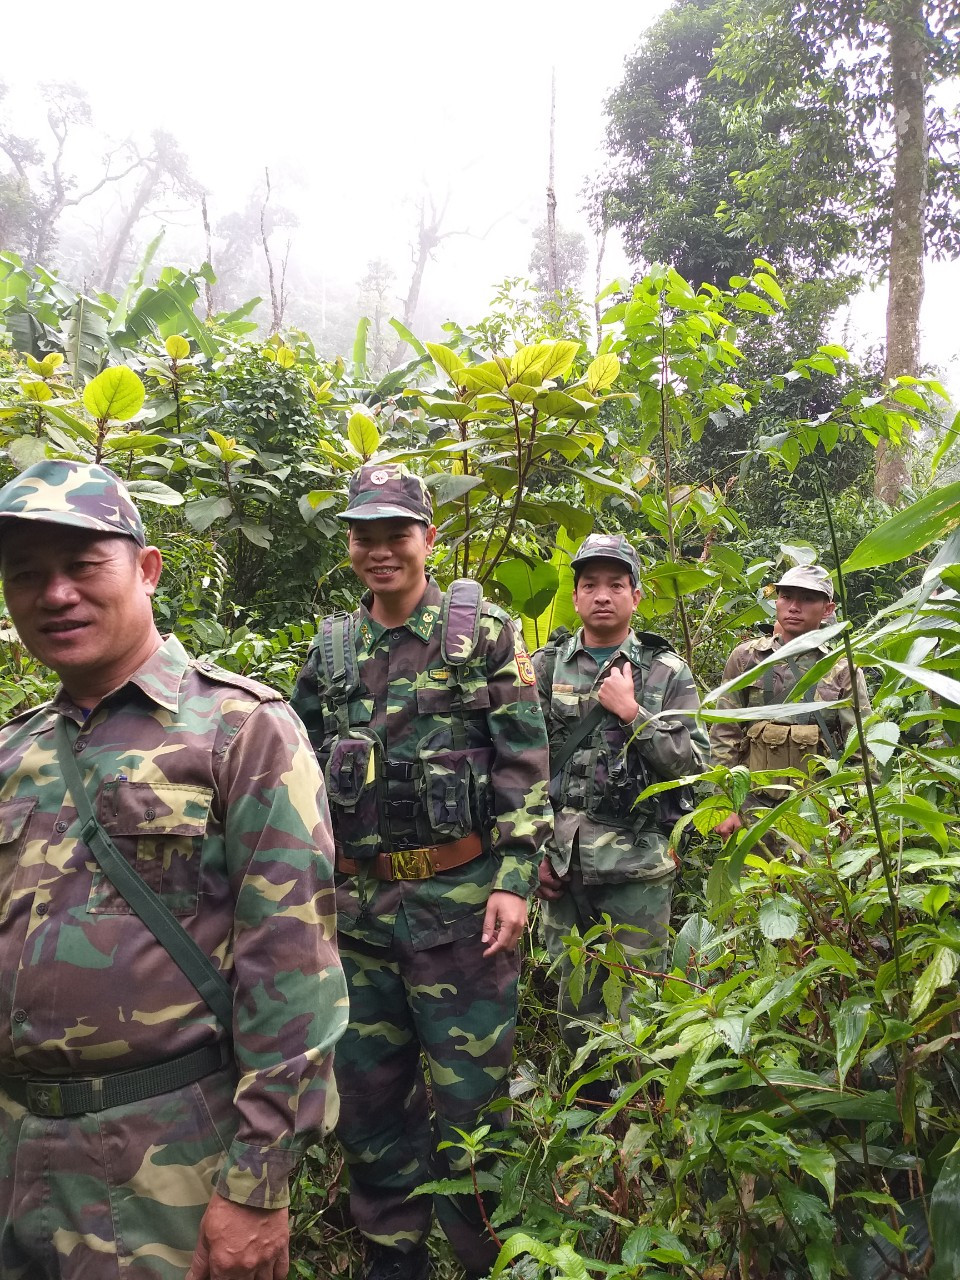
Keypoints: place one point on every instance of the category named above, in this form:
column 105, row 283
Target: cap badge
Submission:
column 379, row 477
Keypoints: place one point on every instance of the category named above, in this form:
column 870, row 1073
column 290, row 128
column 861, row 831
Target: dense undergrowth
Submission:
column 789, row 1096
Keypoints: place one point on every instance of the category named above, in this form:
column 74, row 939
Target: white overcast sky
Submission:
column 358, row 108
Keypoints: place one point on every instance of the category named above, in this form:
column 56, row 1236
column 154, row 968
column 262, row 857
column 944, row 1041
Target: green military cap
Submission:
column 380, row 490
column 609, row 546
column 811, row 577
column 81, row 494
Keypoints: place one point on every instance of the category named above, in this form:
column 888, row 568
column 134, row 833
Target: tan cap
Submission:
column 811, row 577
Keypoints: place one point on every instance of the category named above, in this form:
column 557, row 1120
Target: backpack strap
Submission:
column 459, row 635
column 194, row 963
column 338, row 657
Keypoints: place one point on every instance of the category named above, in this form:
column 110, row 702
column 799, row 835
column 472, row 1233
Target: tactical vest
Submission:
column 595, row 777
column 773, row 745
column 443, row 793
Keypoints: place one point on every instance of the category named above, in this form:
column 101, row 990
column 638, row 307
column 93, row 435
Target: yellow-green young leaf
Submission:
column 770, row 287
column 487, row 376
column 34, row 365
column 116, row 393
column 37, row 391
column 937, row 974
column 557, row 358
column 363, row 435
column 447, row 359
column 526, row 364
column 603, row 372
column 286, row 357
column 51, row 363
column 177, row 348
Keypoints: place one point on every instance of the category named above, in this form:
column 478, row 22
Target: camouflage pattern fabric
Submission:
column 205, row 781
column 730, row 743
column 459, row 1009
column 412, row 949
column 594, row 797
column 642, row 908
column 386, row 490
column 418, row 788
column 80, row 494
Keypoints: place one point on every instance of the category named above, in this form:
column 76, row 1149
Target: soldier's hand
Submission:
column 728, row 826
column 240, row 1243
column 551, row 886
column 617, row 695
column 503, row 921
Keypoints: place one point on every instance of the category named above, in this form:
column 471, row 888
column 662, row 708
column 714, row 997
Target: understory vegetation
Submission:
column 789, row 1099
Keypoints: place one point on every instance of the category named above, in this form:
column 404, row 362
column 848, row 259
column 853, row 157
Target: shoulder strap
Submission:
column 459, row 633
column 818, row 716
column 338, row 658
column 196, row 966
column 585, row 729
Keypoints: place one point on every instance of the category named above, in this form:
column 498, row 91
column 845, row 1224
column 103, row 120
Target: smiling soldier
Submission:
column 422, row 708
column 804, row 604
column 169, row 984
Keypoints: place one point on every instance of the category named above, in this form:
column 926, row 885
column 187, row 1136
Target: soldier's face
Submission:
column 80, row 601
column 800, row 610
column 390, row 556
column 605, row 599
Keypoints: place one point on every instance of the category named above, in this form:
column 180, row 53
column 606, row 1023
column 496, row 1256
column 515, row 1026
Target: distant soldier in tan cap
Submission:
column 804, row 603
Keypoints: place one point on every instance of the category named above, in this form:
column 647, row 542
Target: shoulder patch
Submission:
column 525, row 668
column 262, row 692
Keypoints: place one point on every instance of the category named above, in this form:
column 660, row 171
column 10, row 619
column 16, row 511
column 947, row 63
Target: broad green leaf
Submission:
column 36, row 391
column 116, row 394
column 770, row 287
column 204, row 511
column 932, row 517
column 526, row 365
column 487, row 376
column 155, row 491
column 636, row 1247
column 286, row 357
column 363, row 434
column 558, row 358
column 25, row 451
column 778, row 918
column 447, row 488
column 882, row 739
column 945, row 1220
column 820, row 1163
column 679, row 1076
column 937, row 974
column 177, row 347
column 408, row 337
column 603, row 372
column 850, row 1024
column 531, row 584
column 446, row 358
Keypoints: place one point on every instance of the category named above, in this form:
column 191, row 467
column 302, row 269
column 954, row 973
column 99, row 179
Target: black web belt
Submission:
column 78, row 1095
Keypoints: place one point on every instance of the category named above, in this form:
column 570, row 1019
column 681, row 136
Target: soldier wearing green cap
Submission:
column 621, row 712
column 804, row 604
column 422, row 708
column 155, row 1091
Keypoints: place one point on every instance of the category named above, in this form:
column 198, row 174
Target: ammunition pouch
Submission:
column 454, row 787
column 773, row 745
column 352, row 774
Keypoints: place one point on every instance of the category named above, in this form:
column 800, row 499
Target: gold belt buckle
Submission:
column 412, row 864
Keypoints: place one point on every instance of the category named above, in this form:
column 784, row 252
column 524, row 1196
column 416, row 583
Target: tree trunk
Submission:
column 908, row 80
column 122, row 237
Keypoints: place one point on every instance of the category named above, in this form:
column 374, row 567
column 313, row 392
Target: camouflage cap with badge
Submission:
column 608, row 546
column 387, row 490
column 81, row 494
column 810, row 577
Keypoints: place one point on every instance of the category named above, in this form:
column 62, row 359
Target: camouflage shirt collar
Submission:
column 159, row 678
column 628, row 647
column 421, row 622
column 767, row 644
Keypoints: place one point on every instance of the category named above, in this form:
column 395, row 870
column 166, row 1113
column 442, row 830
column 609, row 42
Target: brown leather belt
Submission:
column 415, row 864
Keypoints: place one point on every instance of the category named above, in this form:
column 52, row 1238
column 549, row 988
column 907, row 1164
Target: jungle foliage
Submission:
column 790, row 1098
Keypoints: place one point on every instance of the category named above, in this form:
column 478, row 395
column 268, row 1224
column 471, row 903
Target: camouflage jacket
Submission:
column 740, row 742
column 496, row 785
column 593, row 797
column 205, row 782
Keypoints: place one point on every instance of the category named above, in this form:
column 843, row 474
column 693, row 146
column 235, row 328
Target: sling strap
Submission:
column 585, row 729
column 195, row 965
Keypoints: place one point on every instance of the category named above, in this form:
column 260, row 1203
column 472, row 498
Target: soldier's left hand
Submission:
column 238, row 1242
column 616, row 694
column 503, row 922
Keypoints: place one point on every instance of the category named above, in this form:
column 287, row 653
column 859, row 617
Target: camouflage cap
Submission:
column 609, row 546
column 811, row 577
column 381, row 490
column 81, row 494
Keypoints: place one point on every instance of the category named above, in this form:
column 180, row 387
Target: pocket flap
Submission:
column 13, row 817
column 774, row 735
column 805, row 735
column 351, row 768
column 154, row 808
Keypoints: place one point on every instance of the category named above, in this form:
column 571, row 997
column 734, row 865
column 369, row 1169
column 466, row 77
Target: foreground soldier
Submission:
column 140, row 1136
column 422, row 708
column 804, row 603
column 611, row 856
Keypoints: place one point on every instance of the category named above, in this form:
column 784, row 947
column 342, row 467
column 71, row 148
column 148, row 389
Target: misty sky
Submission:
column 359, row 109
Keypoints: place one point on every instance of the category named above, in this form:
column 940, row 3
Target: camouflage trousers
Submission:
column 459, row 1011
column 643, row 906
column 112, row 1193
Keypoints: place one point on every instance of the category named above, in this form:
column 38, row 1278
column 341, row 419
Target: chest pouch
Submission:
column 454, row 787
column 353, row 777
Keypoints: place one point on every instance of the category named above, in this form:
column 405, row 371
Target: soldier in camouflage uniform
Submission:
column 436, row 759
column 804, row 603
column 138, row 1136
column 609, row 855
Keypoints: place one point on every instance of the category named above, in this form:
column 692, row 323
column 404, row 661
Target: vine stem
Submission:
column 888, row 877
column 668, row 484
